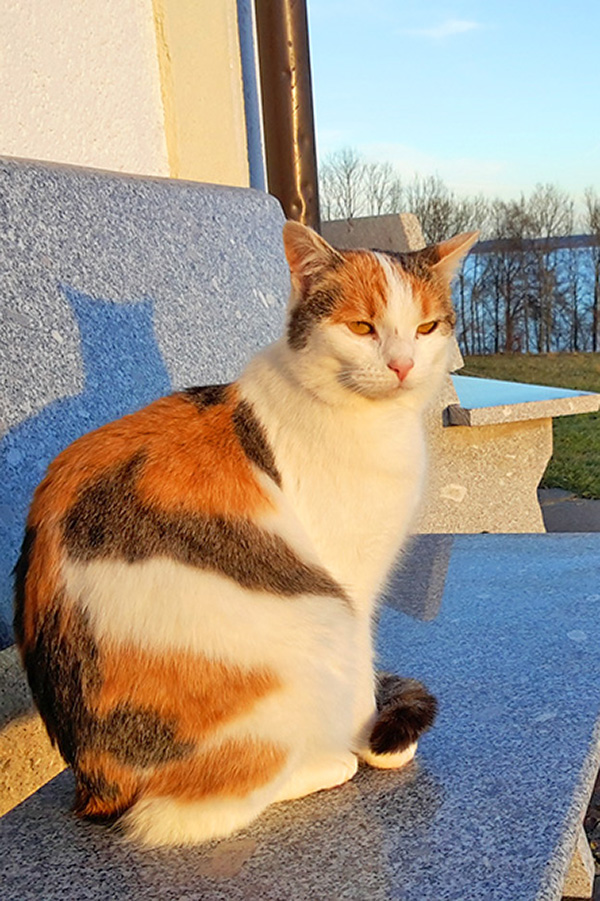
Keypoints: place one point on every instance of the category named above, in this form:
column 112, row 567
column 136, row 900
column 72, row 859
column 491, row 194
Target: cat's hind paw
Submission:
column 328, row 773
column 405, row 709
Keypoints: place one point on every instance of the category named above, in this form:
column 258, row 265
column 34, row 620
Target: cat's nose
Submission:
column 401, row 367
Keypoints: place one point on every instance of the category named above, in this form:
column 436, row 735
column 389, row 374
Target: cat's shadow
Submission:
column 123, row 370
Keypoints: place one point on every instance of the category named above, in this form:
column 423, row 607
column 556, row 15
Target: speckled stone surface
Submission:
column 484, row 479
column 398, row 231
column 491, row 401
column 490, row 810
column 116, row 290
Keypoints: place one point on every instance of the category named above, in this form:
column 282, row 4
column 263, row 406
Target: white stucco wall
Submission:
column 79, row 82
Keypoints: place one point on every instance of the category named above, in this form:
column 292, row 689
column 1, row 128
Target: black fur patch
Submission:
column 109, row 521
column 20, row 574
column 405, row 710
column 95, row 784
column 307, row 313
column 104, row 517
column 416, row 262
column 137, row 737
column 251, row 436
column 63, row 671
column 207, row 395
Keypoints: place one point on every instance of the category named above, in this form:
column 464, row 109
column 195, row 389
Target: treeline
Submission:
column 522, row 289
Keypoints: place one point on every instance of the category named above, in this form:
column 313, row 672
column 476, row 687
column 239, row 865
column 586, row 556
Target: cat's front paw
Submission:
column 405, row 709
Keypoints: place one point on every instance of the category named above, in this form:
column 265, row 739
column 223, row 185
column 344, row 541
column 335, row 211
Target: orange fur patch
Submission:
column 194, row 462
column 105, row 788
column 234, row 768
column 42, row 585
column 364, row 288
column 199, row 466
column 435, row 300
column 189, row 690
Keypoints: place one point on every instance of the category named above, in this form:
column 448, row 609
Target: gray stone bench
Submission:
column 116, row 290
column 505, row 630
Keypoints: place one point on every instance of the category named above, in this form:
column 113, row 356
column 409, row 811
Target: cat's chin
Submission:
column 378, row 391
column 372, row 389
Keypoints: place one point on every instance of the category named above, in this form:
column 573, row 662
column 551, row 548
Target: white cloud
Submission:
column 447, row 29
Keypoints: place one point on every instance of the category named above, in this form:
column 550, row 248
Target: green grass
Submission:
column 575, row 463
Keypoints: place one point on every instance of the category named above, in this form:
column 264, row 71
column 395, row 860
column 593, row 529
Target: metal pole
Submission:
column 284, row 62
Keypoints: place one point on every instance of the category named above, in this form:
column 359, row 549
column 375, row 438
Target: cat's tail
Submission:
column 405, row 709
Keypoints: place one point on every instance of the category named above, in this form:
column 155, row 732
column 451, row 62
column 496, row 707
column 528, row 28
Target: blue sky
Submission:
column 492, row 96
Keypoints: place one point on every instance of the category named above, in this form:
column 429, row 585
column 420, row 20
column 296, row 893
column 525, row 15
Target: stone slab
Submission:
column 491, row 401
column 398, row 232
column 115, row 291
column 491, row 809
column 27, row 759
column 579, row 881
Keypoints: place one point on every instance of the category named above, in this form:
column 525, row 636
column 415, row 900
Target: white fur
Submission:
column 349, row 445
column 393, row 761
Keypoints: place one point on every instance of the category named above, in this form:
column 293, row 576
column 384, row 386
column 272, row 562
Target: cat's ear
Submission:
column 448, row 255
column 307, row 253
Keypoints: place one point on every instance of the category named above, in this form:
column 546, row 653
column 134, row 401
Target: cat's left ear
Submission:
column 307, row 253
column 448, row 255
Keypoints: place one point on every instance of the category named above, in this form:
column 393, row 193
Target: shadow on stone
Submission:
column 417, row 584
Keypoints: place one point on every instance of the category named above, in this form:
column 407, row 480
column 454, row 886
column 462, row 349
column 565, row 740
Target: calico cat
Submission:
column 197, row 582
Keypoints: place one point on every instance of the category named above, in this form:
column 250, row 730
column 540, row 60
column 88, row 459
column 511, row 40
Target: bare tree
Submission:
column 350, row 186
column 506, row 277
column 343, row 179
column 433, row 204
column 549, row 212
column 592, row 226
column 382, row 190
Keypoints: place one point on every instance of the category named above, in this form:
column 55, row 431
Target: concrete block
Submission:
column 398, row 232
column 485, row 478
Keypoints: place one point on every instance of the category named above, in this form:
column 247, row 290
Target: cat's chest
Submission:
column 355, row 495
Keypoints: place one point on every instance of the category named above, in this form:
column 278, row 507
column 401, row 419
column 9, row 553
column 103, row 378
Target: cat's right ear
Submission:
column 307, row 253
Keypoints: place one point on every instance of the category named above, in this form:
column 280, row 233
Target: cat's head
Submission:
column 372, row 323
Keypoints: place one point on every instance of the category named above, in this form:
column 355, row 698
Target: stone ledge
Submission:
column 399, row 232
column 491, row 401
column 27, row 758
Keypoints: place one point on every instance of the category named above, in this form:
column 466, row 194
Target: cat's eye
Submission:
column 426, row 328
column 361, row 328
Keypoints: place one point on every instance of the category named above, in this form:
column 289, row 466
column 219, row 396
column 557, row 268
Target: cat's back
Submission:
column 190, row 451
